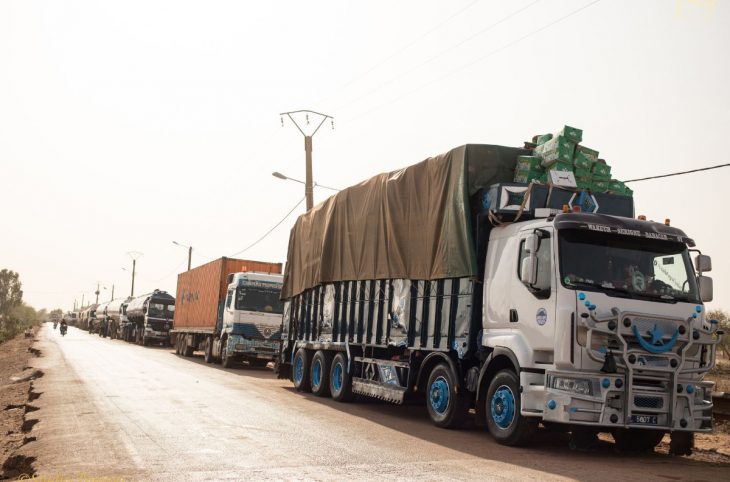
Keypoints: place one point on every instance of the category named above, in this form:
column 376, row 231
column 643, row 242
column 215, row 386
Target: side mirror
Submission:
column 532, row 243
column 705, row 285
column 528, row 270
column 703, row 263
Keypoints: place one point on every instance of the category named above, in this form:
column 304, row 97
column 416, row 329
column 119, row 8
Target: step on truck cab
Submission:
column 231, row 310
column 527, row 302
column 151, row 317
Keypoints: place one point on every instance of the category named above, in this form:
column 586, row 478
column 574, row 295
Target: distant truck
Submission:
column 116, row 312
column 87, row 319
column 528, row 302
column 151, row 318
column 229, row 309
column 102, row 321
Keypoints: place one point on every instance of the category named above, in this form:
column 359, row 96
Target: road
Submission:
column 108, row 408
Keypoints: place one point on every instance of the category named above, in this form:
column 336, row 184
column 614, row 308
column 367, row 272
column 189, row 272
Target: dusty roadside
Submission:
column 16, row 405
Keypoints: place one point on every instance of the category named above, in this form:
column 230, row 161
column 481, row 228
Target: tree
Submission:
column 723, row 319
column 11, row 295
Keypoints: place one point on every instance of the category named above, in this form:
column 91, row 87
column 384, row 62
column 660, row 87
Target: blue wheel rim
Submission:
column 316, row 374
column 298, row 369
column 503, row 407
column 438, row 395
column 337, row 377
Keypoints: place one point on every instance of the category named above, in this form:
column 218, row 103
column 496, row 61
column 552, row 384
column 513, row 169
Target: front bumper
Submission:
column 612, row 403
column 246, row 347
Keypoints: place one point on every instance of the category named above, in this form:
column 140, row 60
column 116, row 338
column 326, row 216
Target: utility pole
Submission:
column 190, row 252
column 308, row 183
column 82, row 301
column 112, row 293
column 135, row 255
column 97, row 293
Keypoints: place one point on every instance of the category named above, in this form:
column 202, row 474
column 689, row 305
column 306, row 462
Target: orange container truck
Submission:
column 229, row 309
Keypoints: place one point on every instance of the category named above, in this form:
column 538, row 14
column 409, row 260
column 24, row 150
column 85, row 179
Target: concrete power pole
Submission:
column 97, row 293
column 308, row 182
column 135, row 255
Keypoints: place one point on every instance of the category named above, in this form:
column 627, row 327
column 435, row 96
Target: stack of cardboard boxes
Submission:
column 562, row 152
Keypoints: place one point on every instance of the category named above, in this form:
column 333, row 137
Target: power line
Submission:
column 270, row 230
column 477, row 60
column 442, row 52
column 400, row 50
column 679, row 173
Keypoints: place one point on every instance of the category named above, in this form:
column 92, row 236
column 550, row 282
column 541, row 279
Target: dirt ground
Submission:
column 16, row 408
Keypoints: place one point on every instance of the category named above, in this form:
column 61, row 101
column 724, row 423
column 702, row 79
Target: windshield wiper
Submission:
column 623, row 293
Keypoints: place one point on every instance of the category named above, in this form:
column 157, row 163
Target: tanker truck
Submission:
column 102, row 319
column 151, row 318
column 230, row 310
column 116, row 312
column 531, row 303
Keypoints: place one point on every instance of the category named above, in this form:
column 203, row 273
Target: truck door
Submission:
column 228, row 315
column 535, row 304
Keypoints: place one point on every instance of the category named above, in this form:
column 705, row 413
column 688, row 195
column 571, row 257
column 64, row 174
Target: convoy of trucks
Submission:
column 229, row 309
column 529, row 303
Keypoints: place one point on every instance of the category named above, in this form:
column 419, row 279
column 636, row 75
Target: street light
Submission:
column 287, row 178
column 190, row 251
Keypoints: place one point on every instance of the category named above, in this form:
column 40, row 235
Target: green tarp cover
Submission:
column 413, row 223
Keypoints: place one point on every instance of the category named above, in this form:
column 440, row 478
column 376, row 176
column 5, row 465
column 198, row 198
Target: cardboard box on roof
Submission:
column 572, row 133
column 556, row 149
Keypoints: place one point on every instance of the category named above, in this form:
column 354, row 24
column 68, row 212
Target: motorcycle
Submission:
column 63, row 330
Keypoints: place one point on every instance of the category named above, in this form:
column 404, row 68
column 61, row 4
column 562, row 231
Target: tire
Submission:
column 504, row 420
column 300, row 371
column 145, row 341
column 340, row 382
column 226, row 360
column 682, row 443
column 445, row 402
column 187, row 350
column 636, row 439
column 177, row 345
column 208, row 357
column 319, row 373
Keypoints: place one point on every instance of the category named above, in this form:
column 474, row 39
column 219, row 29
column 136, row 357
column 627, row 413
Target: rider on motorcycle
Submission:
column 64, row 327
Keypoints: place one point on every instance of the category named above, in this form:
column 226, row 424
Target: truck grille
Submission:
column 643, row 401
column 257, row 331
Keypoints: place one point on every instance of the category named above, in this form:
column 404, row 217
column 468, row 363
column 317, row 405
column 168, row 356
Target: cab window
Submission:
column 229, row 299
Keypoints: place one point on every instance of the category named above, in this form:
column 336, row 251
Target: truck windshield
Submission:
column 161, row 310
column 627, row 266
column 258, row 296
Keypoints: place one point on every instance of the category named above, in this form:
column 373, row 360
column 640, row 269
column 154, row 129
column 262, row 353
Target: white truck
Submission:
column 529, row 303
column 230, row 309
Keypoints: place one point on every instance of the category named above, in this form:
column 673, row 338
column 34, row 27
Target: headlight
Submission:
column 580, row 386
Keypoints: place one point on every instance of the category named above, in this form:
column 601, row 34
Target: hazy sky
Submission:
column 127, row 125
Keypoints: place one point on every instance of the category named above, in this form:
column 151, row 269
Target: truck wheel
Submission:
column 504, row 420
column 445, row 403
column 340, row 381
column 682, row 443
column 209, row 351
column 320, row 373
column 300, row 372
column 636, row 439
column 187, row 349
column 226, row 360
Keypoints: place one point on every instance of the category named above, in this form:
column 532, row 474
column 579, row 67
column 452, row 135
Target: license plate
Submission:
column 644, row 419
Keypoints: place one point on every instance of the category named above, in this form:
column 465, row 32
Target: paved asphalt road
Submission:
column 108, row 408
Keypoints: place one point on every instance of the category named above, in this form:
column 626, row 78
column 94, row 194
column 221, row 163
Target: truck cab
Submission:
column 602, row 318
column 251, row 319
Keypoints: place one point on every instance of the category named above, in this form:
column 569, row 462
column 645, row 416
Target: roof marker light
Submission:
column 641, row 217
column 566, row 208
column 576, row 209
column 666, row 222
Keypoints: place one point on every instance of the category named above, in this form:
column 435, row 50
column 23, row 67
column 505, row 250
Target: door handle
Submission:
column 513, row 318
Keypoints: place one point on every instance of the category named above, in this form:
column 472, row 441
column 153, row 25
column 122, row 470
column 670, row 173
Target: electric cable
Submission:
column 679, row 173
column 270, row 230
